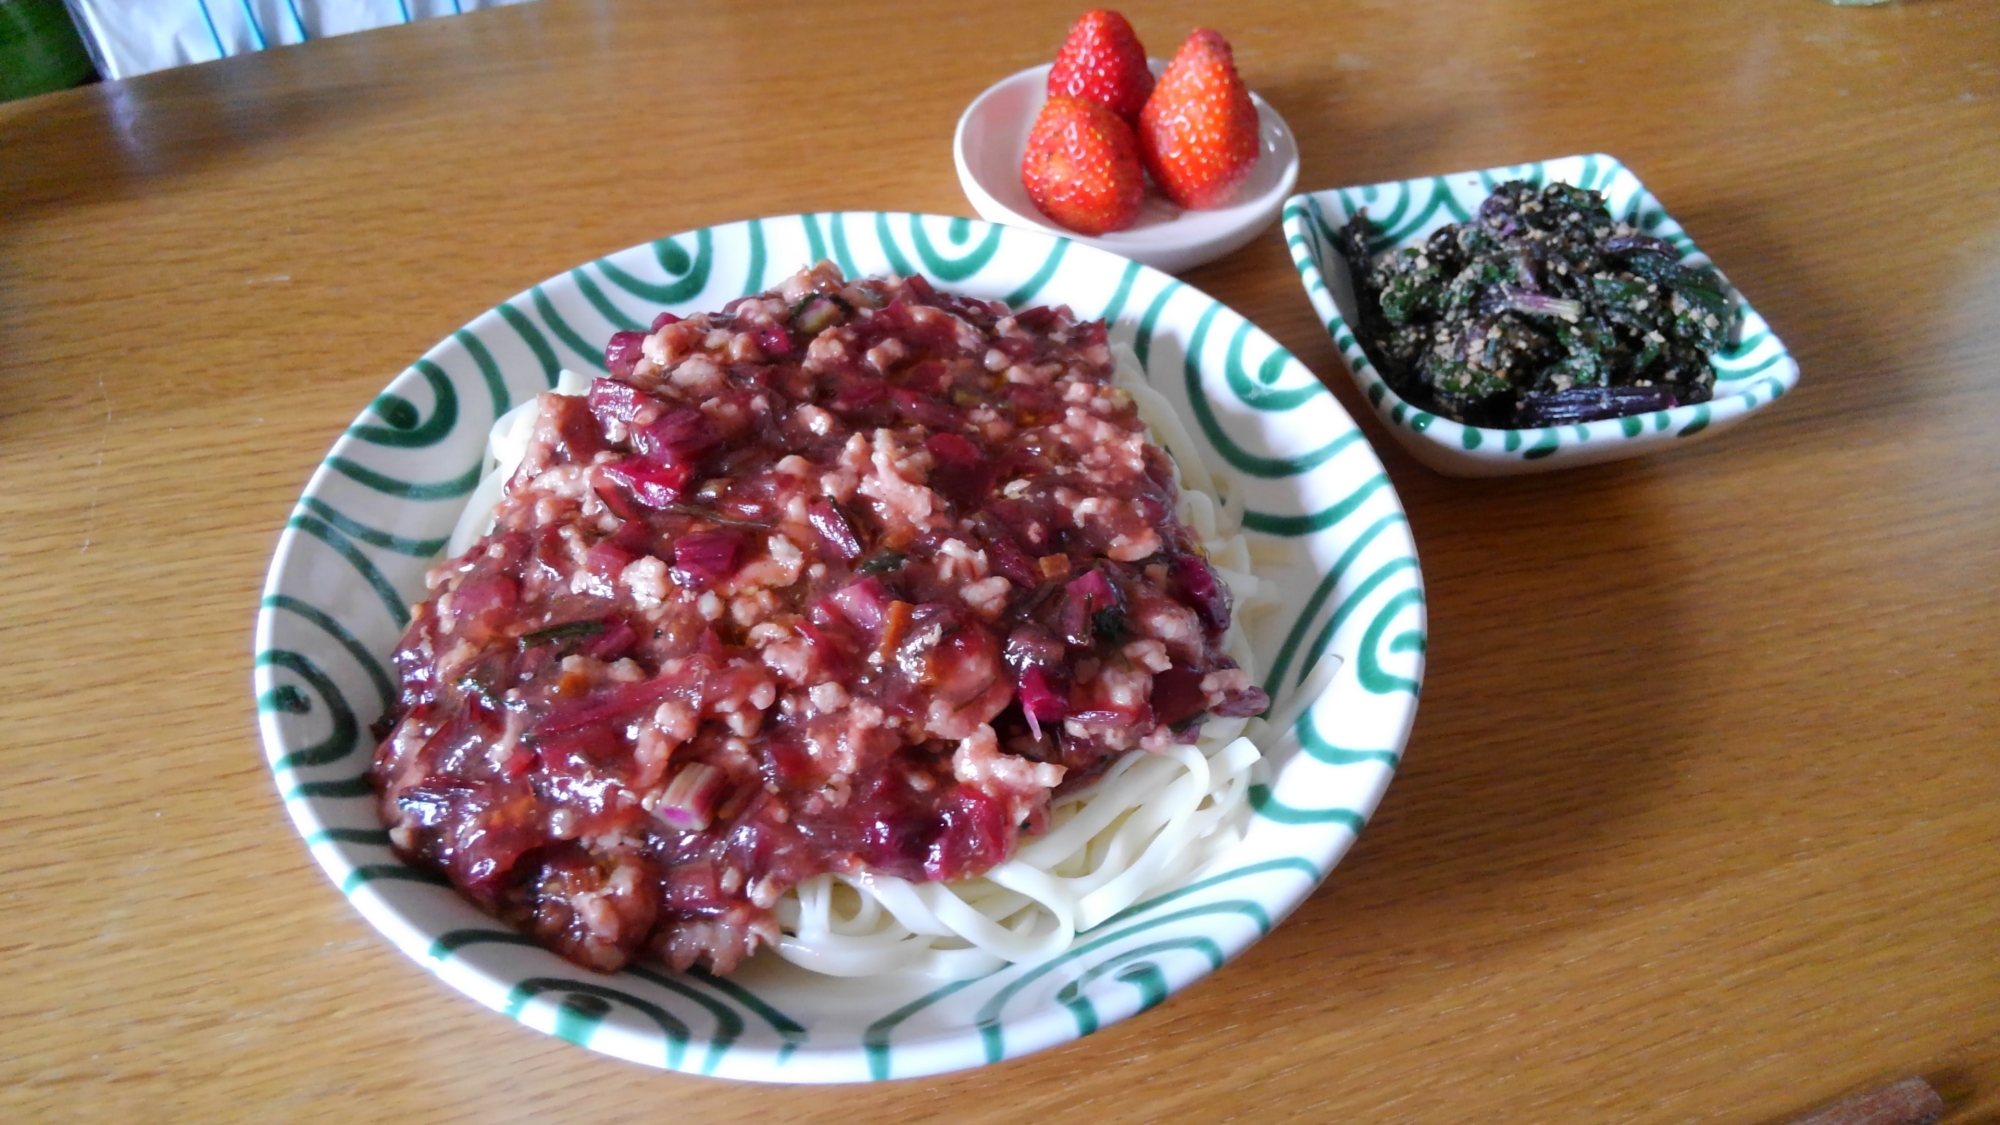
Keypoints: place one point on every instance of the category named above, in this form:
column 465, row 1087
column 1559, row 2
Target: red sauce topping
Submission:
column 849, row 576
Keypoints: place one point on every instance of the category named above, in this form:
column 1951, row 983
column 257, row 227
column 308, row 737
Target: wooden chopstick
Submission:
column 1909, row 1102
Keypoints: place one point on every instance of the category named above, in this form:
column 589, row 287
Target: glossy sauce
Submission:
column 850, row 576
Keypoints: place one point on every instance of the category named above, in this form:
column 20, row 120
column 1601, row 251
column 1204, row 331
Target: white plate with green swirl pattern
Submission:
column 1753, row 373
column 351, row 560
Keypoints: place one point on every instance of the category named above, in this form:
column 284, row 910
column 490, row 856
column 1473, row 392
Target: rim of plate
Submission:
column 1754, row 373
column 380, row 503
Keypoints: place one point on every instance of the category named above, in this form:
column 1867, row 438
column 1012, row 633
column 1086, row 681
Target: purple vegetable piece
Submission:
column 691, row 797
column 834, row 528
column 963, row 473
column 1197, row 583
column 703, row 557
column 679, row 438
column 926, row 410
column 860, row 399
column 651, row 481
column 1177, row 695
column 1042, row 698
column 1041, row 679
column 1010, row 563
column 1535, row 304
column 623, row 352
column 1498, row 214
column 1589, row 404
column 773, row 340
column 1623, row 244
column 866, row 602
column 1029, row 646
column 1041, row 316
column 613, row 401
column 610, row 644
column 1086, row 597
column 1529, row 271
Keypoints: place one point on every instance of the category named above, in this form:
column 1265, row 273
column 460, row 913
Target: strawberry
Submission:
column 1082, row 166
column 1198, row 132
column 1102, row 61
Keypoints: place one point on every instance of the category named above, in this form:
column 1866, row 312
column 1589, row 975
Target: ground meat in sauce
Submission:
column 849, row 576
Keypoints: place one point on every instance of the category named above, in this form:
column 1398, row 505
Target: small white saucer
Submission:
column 993, row 134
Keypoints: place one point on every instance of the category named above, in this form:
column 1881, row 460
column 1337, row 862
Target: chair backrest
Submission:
column 128, row 37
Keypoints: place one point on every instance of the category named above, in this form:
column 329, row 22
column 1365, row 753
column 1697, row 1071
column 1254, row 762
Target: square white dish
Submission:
column 1753, row 373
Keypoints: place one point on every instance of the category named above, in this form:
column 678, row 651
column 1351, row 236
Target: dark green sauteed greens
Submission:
column 1540, row 310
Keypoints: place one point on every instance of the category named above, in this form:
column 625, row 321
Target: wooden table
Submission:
column 1699, row 819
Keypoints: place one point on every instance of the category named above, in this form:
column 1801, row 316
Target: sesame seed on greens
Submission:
column 1540, row 310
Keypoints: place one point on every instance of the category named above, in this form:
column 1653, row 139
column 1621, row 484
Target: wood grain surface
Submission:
column 1701, row 817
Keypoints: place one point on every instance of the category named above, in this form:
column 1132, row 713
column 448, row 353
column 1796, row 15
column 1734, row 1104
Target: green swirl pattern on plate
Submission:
column 1752, row 374
column 350, row 564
